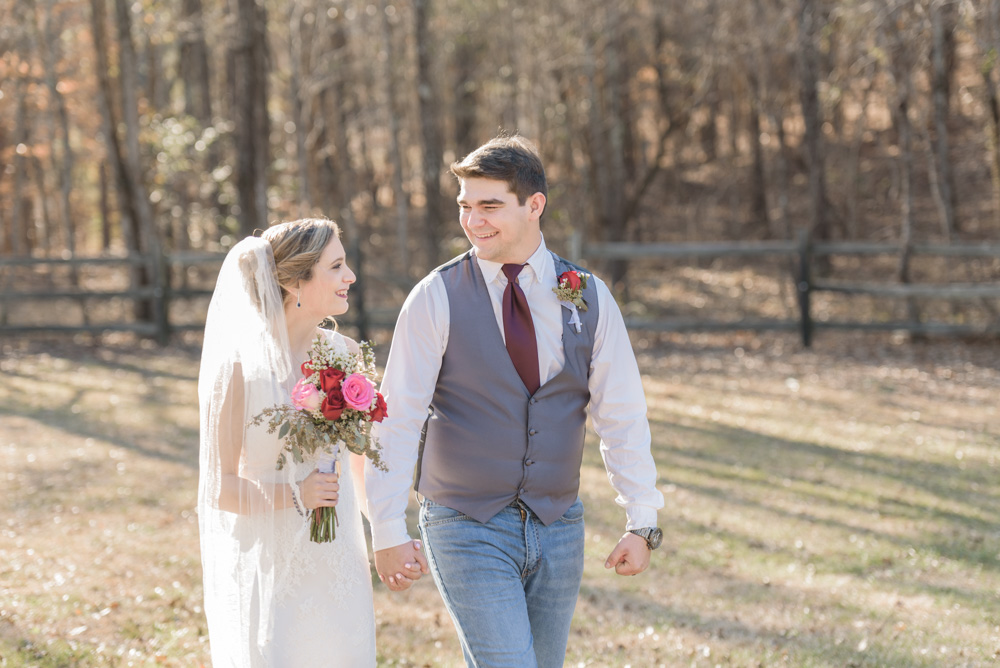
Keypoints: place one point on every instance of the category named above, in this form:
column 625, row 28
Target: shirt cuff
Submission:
column 640, row 517
column 389, row 534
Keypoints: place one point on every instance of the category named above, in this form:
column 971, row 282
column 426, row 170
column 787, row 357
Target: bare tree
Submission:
column 430, row 134
column 47, row 41
column 194, row 71
column 808, row 65
column 944, row 19
column 395, row 153
column 248, row 52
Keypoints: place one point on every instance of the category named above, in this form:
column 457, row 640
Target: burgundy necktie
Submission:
column 519, row 330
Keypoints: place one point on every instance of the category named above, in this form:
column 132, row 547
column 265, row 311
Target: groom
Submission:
column 500, row 374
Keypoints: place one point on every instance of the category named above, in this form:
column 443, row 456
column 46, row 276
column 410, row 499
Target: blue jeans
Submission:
column 510, row 584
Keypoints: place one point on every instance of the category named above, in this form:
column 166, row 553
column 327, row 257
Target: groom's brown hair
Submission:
column 509, row 158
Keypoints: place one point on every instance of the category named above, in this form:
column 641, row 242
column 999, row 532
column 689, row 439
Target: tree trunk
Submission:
column 430, row 135
column 338, row 113
column 249, row 57
column 943, row 22
column 47, row 41
column 105, row 207
column 18, row 226
column 466, row 61
column 759, row 219
column 148, row 238
column 395, row 156
column 194, row 62
column 809, row 96
column 299, row 110
column 43, row 221
column 895, row 45
column 130, row 218
column 615, row 78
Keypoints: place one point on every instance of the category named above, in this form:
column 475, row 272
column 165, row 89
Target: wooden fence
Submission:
column 800, row 254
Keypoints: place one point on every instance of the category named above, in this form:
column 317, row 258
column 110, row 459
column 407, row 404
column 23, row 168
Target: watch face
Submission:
column 655, row 538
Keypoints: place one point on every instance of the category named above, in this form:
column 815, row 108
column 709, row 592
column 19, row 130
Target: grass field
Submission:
column 832, row 507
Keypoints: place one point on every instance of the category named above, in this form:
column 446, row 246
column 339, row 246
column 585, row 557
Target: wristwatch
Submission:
column 653, row 536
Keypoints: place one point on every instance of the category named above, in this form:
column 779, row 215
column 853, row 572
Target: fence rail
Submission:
column 801, row 254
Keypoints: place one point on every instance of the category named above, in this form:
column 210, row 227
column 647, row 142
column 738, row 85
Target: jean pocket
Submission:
column 574, row 514
column 434, row 514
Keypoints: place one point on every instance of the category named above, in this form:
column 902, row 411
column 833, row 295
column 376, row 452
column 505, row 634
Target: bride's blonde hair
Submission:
column 297, row 247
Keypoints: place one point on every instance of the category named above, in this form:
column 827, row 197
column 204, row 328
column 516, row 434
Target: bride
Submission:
column 273, row 597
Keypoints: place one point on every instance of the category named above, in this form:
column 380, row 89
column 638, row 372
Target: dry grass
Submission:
column 837, row 507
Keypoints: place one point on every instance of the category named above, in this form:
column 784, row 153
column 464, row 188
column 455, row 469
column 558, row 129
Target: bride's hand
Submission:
column 320, row 490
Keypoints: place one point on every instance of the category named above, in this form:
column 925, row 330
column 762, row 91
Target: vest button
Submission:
column 529, row 462
column 532, row 432
column 520, row 491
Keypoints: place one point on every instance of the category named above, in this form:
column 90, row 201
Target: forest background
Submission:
column 153, row 127
column 825, row 507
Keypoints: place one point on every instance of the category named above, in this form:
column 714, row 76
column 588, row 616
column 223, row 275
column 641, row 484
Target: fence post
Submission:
column 358, row 299
column 804, row 286
column 157, row 268
column 576, row 247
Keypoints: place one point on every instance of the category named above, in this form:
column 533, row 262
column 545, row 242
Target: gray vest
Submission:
column 488, row 442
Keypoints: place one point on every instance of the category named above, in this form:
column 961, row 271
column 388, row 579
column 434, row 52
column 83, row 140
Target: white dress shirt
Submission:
column 617, row 401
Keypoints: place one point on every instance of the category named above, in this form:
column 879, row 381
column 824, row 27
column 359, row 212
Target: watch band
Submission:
column 652, row 535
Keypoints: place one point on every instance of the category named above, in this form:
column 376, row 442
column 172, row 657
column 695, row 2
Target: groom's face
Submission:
column 498, row 226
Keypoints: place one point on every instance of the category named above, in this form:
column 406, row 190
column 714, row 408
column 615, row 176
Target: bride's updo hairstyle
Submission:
column 297, row 247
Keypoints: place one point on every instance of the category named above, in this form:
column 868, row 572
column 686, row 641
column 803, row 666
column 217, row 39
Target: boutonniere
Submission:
column 569, row 289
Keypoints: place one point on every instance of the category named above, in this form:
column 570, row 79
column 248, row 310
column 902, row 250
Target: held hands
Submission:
column 399, row 567
column 630, row 556
column 320, row 490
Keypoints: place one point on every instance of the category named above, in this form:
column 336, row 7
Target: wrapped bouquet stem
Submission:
column 324, row 519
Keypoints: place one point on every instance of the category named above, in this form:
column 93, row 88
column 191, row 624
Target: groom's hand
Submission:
column 630, row 556
column 399, row 567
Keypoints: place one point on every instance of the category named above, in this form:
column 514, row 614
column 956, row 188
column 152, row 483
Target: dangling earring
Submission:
column 298, row 299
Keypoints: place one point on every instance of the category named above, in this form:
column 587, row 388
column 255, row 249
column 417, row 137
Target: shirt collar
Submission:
column 540, row 262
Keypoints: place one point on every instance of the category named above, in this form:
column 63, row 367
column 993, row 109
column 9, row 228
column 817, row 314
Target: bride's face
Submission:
column 326, row 292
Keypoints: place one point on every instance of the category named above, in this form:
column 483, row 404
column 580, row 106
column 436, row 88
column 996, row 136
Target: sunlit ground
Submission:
column 836, row 507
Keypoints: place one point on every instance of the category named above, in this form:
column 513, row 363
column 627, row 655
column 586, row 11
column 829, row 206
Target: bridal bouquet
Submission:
column 333, row 405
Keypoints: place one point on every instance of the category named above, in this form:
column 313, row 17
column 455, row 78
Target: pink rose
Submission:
column 305, row 396
column 358, row 392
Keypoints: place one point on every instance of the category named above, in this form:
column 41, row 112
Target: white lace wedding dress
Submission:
column 302, row 604
column 323, row 612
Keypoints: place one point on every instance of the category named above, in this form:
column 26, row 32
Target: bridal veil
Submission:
column 243, row 501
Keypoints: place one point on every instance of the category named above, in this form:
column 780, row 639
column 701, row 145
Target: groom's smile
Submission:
column 501, row 228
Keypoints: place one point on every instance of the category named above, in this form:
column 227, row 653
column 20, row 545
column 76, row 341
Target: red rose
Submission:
column 307, row 369
column 333, row 404
column 330, row 379
column 571, row 279
column 380, row 412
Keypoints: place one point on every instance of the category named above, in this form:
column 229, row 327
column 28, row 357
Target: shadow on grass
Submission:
column 158, row 437
column 732, row 634
column 777, row 459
